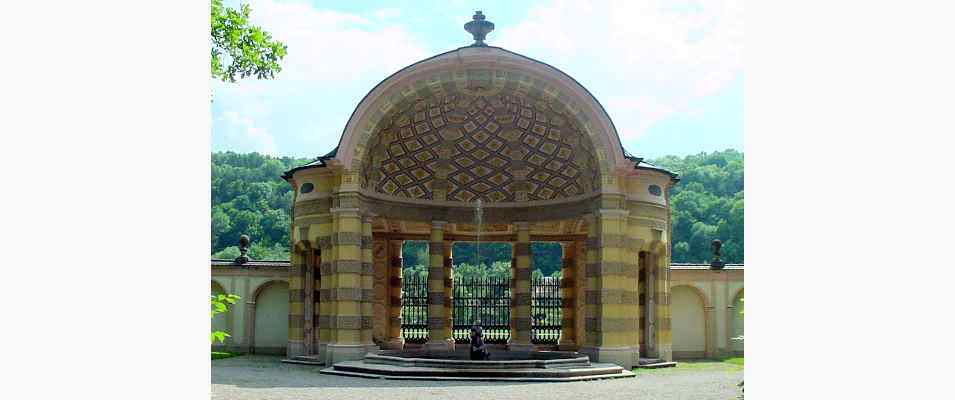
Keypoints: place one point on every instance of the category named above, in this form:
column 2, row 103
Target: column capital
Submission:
column 367, row 217
column 438, row 224
column 522, row 225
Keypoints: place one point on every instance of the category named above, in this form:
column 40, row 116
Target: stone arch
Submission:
column 268, row 318
column 222, row 321
column 690, row 325
column 479, row 71
column 737, row 323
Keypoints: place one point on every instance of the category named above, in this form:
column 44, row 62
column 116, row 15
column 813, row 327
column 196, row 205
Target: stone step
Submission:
column 359, row 369
column 660, row 364
column 305, row 360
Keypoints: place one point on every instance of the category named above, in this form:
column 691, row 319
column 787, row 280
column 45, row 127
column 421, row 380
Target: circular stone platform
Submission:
column 535, row 366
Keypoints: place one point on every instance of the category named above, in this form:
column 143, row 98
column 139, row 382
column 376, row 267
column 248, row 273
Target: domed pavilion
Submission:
column 479, row 124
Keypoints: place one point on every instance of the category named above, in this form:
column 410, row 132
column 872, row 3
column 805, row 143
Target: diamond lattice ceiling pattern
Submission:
column 498, row 147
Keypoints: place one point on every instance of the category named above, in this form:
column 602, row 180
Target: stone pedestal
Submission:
column 626, row 357
column 344, row 352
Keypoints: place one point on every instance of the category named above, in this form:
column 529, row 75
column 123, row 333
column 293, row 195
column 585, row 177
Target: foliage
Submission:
column 216, row 355
column 707, row 204
column 219, row 304
column 240, row 48
column 250, row 197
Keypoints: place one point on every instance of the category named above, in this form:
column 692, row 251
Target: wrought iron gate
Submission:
column 414, row 309
column 486, row 300
column 545, row 310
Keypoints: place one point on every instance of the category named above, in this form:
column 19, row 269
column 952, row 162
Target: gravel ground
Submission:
column 265, row 377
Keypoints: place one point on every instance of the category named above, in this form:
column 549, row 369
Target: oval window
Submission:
column 655, row 190
column 307, row 187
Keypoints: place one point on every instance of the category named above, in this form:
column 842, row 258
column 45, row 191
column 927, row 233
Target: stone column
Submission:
column 580, row 291
column 309, row 301
column 521, row 341
column 568, row 337
column 438, row 329
column 367, row 284
column 662, row 334
column 345, row 271
column 326, row 306
column 709, row 338
column 589, row 339
column 395, row 341
column 448, row 286
column 296, row 307
column 611, row 292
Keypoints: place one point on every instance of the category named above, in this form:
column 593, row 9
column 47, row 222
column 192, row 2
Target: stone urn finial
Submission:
column 717, row 263
column 243, row 248
column 479, row 27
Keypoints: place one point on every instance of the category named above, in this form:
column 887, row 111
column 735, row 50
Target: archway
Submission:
column 222, row 321
column 689, row 322
column 737, row 324
column 270, row 324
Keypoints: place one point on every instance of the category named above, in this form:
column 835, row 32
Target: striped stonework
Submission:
column 664, row 336
column 580, row 281
column 642, row 296
column 590, row 309
column 325, row 308
column 611, row 290
column 568, row 300
column 367, row 281
column 345, row 271
column 296, row 310
column 632, row 245
column 448, row 284
column 438, row 328
column 521, row 305
column 394, row 340
column 610, row 273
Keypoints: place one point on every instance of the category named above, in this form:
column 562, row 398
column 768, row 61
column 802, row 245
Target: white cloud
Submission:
column 245, row 135
column 333, row 59
column 330, row 46
column 661, row 55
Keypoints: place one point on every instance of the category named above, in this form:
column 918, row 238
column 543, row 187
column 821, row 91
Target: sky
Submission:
column 669, row 73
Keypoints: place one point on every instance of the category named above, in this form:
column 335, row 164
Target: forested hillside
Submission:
column 249, row 196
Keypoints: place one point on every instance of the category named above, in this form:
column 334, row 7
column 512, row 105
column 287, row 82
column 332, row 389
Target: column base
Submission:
column 439, row 345
column 395, row 344
column 665, row 351
column 627, row 356
column 344, row 352
column 295, row 348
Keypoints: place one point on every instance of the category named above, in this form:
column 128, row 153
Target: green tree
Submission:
column 240, row 48
column 220, row 304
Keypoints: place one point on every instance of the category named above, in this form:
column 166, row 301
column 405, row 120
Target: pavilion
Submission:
column 544, row 159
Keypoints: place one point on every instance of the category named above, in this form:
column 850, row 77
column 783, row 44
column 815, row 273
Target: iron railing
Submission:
column 414, row 309
column 545, row 310
column 485, row 300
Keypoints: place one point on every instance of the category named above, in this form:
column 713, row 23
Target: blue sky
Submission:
column 669, row 73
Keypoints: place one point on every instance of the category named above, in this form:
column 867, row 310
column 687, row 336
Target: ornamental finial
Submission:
column 479, row 27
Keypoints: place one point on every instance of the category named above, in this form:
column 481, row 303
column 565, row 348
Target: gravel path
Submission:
column 265, row 377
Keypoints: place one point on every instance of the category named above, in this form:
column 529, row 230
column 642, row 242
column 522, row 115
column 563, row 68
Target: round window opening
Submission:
column 307, row 187
column 655, row 190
